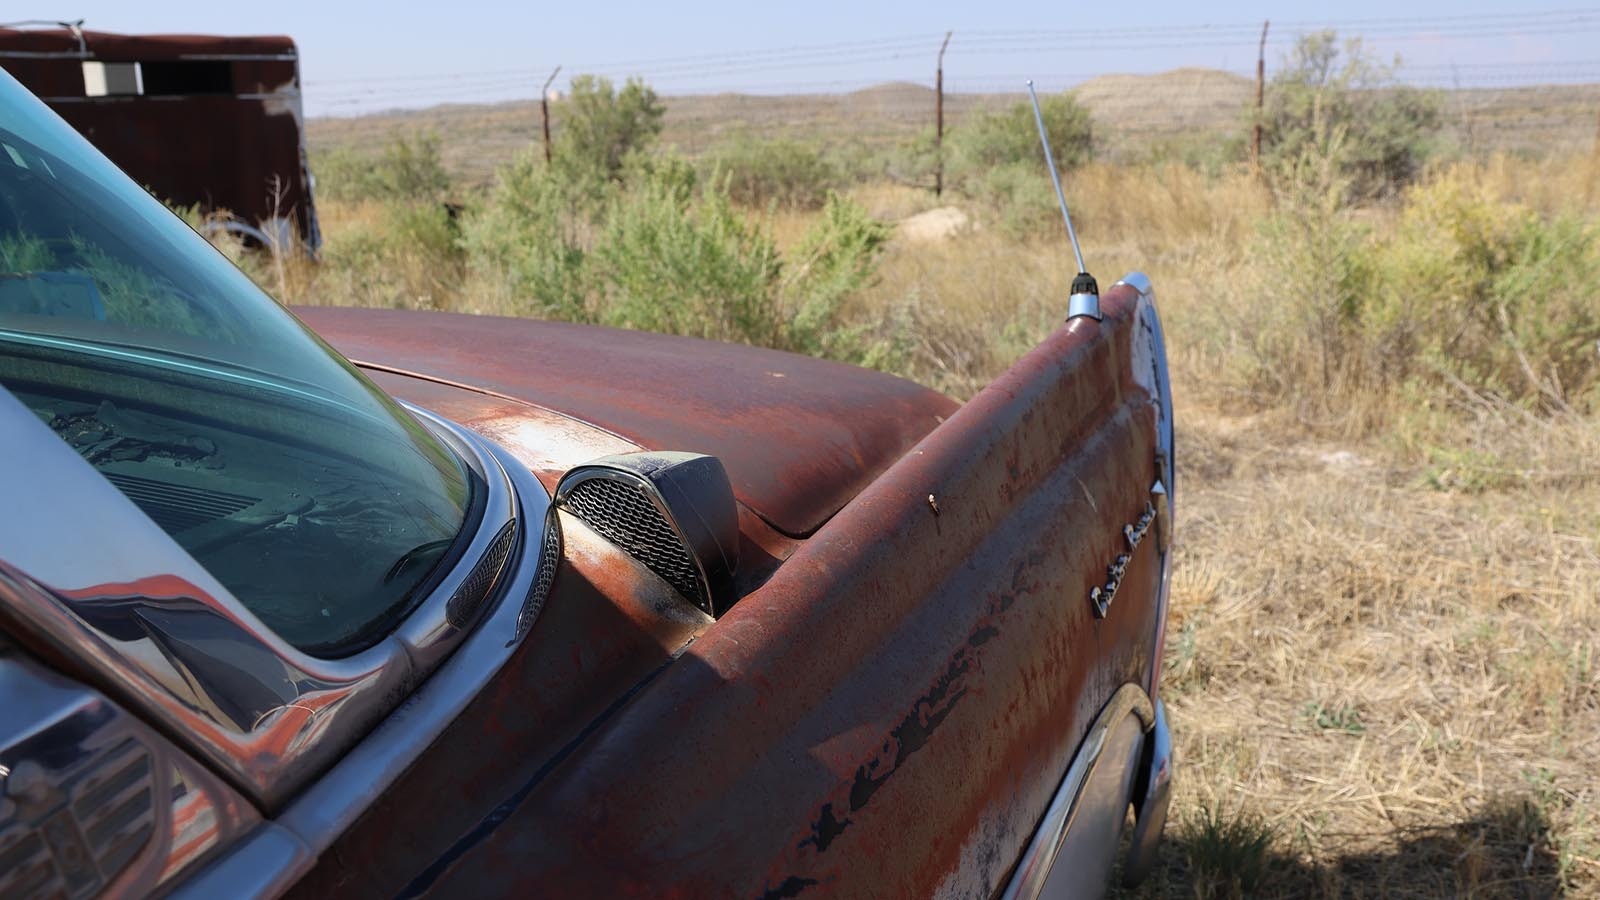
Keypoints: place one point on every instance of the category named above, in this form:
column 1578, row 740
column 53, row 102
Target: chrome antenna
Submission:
column 1085, row 300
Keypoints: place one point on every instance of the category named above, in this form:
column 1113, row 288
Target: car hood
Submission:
column 799, row 436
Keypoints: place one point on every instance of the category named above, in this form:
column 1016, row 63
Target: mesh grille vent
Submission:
column 470, row 596
column 624, row 515
column 549, row 558
column 175, row 507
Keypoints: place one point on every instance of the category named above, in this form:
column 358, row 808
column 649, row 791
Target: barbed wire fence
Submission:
column 890, row 89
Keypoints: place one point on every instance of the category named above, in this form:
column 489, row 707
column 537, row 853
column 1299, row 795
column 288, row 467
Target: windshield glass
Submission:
column 312, row 496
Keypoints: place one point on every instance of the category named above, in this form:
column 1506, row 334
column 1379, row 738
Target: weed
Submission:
column 1229, row 854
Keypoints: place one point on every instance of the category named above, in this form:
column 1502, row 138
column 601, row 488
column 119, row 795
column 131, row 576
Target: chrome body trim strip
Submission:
column 1033, row 869
column 265, row 864
column 184, row 645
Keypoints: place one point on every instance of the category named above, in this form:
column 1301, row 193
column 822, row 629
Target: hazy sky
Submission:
column 362, row 56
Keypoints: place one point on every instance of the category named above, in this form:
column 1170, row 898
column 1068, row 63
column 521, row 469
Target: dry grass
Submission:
column 1401, row 682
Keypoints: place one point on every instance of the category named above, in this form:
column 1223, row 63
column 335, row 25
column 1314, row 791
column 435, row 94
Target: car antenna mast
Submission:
column 1085, row 300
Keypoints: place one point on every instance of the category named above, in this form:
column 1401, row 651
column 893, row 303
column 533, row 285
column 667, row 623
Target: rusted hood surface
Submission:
column 799, row 436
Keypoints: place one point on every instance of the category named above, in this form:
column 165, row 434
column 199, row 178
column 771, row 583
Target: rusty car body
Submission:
column 704, row 620
column 201, row 121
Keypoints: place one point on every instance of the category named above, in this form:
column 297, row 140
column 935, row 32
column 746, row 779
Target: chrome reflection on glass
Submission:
column 91, row 800
column 90, row 576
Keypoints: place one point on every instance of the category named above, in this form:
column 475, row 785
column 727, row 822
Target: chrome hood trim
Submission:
column 76, row 554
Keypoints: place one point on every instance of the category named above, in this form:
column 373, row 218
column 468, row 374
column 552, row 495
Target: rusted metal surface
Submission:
column 218, row 124
column 608, row 627
column 549, row 443
column 889, row 715
column 799, row 436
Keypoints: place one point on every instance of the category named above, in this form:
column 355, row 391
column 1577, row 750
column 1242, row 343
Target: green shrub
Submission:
column 1019, row 199
column 996, row 160
column 994, row 139
column 599, row 127
column 1382, row 131
column 1496, row 295
column 407, row 168
column 837, row 257
column 530, row 239
column 662, row 251
column 782, row 172
column 681, row 267
column 1464, row 292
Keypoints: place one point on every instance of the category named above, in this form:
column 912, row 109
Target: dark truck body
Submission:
column 890, row 710
column 199, row 120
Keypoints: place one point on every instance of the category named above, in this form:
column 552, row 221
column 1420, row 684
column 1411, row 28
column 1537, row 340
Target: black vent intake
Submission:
column 674, row 512
column 626, row 516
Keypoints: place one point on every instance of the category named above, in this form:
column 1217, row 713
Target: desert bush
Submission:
column 1497, row 296
column 408, row 168
column 995, row 159
column 529, row 239
column 1456, row 294
column 662, row 250
column 993, row 139
column 1330, row 98
column 600, row 126
column 784, row 172
column 1018, row 198
column 681, row 265
column 836, row 258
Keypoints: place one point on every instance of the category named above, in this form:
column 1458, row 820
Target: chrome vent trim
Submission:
column 544, row 577
column 624, row 514
column 468, row 599
column 26, row 868
column 75, row 830
column 92, row 800
column 115, row 808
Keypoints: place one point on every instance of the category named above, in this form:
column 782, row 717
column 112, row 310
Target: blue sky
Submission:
column 362, row 56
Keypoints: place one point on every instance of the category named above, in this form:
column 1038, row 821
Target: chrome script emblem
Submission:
column 1102, row 595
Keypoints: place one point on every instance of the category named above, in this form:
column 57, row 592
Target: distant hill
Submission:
column 1197, row 106
column 1180, row 99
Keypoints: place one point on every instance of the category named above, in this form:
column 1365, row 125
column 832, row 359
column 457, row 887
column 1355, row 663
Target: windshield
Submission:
column 323, row 506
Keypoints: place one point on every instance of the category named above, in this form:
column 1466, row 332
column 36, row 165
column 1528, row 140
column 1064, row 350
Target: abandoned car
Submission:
column 487, row 607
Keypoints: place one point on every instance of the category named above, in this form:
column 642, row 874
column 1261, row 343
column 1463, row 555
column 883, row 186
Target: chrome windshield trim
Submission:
column 334, row 802
column 1033, row 869
column 187, row 655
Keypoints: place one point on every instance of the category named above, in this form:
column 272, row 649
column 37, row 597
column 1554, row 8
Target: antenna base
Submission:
column 1085, row 299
